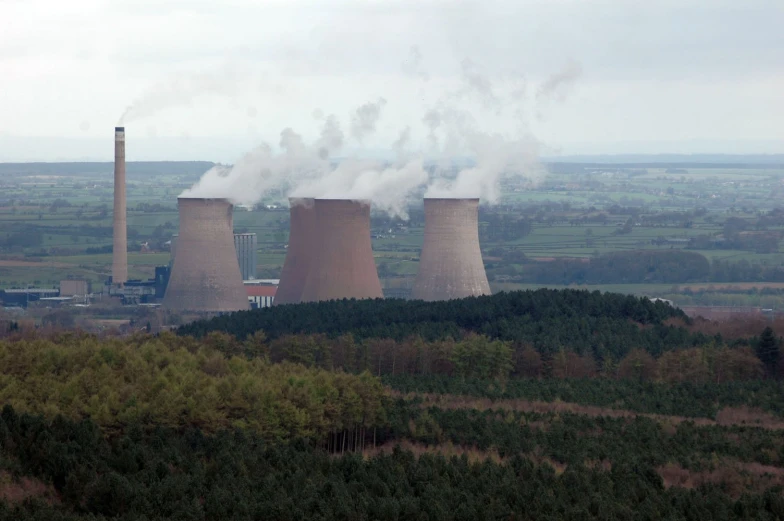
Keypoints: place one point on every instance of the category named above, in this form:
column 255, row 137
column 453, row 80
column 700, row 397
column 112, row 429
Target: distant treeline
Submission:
column 638, row 267
column 695, row 161
column 134, row 168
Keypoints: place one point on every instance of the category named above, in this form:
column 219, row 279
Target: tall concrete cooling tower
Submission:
column 450, row 265
column 205, row 275
column 301, row 243
column 120, row 232
column 342, row 264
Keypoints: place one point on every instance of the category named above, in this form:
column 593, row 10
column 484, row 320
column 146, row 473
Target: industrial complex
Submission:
column 329, row 253
column 329, row 256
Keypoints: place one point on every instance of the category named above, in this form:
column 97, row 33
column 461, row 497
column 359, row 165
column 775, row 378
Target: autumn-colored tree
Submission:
column 638, row 365
column 478, row 356
column 568, row 364
column 158, row 380
column 528, row 362
column 684, row 365
column 736, row 364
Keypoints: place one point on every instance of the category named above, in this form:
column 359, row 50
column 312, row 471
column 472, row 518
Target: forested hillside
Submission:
column 605, row 325
column 528, row 406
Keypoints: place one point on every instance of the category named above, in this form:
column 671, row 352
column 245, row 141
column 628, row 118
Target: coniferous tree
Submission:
column 768, row 350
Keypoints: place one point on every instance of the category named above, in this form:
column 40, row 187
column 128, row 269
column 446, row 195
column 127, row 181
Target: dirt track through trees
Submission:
column 728, row 416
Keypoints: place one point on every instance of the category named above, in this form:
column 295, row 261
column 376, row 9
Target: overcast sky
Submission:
column 213, row 78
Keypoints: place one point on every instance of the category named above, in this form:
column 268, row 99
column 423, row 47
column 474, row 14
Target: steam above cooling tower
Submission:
column 300, row 251
column 450, row 265
column 205, row 275
column 342, row 264
column 120, row 229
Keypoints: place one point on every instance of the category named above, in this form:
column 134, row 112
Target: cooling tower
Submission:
column 301, row 241
column 205, row 275
column 342, row 264
column 120, row 233
column 450, row 265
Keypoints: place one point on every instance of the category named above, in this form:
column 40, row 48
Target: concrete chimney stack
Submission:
column 299, row 253
column 205, row 275
column 450, row 265
column 342, row 264
column 120, row 232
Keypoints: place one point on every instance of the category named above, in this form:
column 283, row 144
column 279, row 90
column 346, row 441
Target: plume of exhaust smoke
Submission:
column 556, row 87
column 364, row 119
column 401, row 143
column 479, row 84
column 181, row 91
column 301, row 169
column 496, row 157
column 412, row 66
column 331, row 139
column 261, row 171
column 391, row 188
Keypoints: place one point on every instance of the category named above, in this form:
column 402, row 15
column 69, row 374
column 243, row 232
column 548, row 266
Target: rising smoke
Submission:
column 364, row 119
column 262, row 170
column 412, row 66
column 390, row 188
column 478, row 84
column 495, row 158
column 455, row 131
column 557, row 86
column 331, row 140
column 400, row 145
column 302, row 169
column 182, row 91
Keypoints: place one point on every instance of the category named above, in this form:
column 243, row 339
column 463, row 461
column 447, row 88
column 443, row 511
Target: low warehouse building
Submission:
column 260, row 296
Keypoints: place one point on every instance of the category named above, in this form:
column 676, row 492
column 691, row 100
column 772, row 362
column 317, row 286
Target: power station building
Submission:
column 245, row 244
column 260, row 295
column 329, row 254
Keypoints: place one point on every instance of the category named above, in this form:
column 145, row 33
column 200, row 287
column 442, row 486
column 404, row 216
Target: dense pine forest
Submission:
column 541, row 405
column 606, row 325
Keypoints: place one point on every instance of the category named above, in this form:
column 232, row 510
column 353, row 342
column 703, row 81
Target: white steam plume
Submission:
column 301, row 169
column 390, row 188
column 412, row 66
column 479, row 84
column 496, row 156
column 401, row 143
column 331, row 139
column 181, row 91
column 557, row 86
column 260, row 171
column 364, row 119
